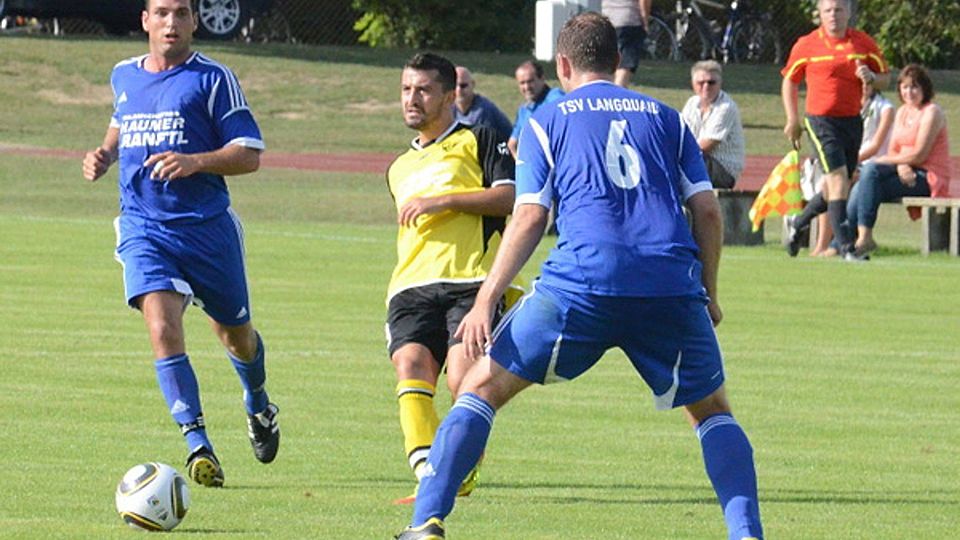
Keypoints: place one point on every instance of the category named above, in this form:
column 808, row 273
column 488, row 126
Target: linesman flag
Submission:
column 781, row 194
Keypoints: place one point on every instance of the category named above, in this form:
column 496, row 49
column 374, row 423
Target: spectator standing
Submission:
column 714, row 119
column 535, row 91
column 453, row 189
column 917, row 163
column 180, row 124
column 631, row 19
column 627, row 272
column 474, row 109
column 836, row 61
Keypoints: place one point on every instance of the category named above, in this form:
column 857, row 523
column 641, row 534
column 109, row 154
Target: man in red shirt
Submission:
column 836, row 62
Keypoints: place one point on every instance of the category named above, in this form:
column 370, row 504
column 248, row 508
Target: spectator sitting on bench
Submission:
column 877, row 113
column 714, row 119
column 917, row 163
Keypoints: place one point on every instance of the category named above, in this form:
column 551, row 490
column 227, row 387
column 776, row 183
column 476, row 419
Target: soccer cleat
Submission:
column 264, row 432
column 469, row 483
column 466, row 488
column 793, row 235
column 431, row 530
column 204, row 468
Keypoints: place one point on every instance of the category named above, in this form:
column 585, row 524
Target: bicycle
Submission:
column 747, row 37
column 660, row 43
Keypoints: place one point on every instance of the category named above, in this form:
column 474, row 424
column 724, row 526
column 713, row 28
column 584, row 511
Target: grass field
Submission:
column 845, row 376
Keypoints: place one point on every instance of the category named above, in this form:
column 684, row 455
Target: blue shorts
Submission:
column 554, row 335
column 202, row 261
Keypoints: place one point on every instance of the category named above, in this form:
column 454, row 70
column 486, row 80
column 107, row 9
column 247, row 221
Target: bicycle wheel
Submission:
column 693, row 39
column 660, row 44
column 755, row 42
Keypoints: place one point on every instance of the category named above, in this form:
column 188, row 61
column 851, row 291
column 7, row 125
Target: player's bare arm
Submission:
column 230, row 160
column 790, row 92
column 520, row 238
column 494, row 201
column 97, row 161
column 708, row 233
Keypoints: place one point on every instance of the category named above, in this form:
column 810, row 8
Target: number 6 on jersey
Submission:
column 623, row 161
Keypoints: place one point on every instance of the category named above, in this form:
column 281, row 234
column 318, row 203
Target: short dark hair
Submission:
column 919, row 75
column 446, row 71
column 590, row 42
column 537, row 67
column 193, row 5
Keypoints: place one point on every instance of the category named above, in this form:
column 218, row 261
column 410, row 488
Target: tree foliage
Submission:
column 492, row 25
column 923, row 31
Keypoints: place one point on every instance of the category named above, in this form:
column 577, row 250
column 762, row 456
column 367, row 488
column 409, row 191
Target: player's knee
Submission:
column 239, row 341
column 413, row 361
column 715, row 403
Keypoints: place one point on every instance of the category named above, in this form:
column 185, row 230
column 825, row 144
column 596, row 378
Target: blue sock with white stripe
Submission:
column 728, row 457
column 178, row 383
column 456, row 449
column 253, row 377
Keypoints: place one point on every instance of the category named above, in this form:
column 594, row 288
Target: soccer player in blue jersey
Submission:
column 626, row 272
column 180, row 124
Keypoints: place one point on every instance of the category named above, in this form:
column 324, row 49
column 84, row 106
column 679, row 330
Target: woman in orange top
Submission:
column 917, row 163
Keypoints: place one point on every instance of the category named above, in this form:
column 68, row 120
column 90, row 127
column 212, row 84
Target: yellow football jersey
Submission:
column 451, row 247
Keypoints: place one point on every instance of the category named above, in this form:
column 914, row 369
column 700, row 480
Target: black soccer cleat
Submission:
column 431, row 530
column 204, row 468
column 793, row 236
column 264, row 433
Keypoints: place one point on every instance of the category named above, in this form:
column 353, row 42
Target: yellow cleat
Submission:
column 466, row 488
column 431, row 530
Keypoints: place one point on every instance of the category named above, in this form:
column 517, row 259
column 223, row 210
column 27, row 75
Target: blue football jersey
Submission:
column 619, row 165
column 195, row 107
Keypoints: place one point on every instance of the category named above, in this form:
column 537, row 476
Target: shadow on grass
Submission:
column 658, row 494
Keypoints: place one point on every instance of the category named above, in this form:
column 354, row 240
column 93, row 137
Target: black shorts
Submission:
column 836, row 140
column 429, row 315
column 630, row 43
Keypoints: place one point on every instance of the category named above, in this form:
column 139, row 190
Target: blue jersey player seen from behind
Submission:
column 626, row 272
column 180, row 124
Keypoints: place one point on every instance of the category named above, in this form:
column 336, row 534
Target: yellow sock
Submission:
column 418, row 419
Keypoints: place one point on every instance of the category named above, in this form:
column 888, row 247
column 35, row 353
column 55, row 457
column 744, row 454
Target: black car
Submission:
column 219, row 19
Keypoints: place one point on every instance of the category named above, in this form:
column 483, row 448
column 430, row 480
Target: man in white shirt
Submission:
column 714, row 119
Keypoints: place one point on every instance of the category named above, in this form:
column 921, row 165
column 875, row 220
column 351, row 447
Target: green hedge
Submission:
column 491, row 25
column 922, row 31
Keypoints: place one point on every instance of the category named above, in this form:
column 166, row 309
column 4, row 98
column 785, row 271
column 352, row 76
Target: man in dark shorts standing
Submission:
column 836, row 61
column 630, row 18
column 453, row 189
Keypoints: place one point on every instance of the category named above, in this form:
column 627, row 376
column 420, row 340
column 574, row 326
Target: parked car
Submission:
column 218, row 19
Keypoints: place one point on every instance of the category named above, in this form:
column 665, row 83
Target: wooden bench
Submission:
column 940, row 222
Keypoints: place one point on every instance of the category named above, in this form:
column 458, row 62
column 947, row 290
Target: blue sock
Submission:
column 728, row 457
column 456, row 449
column 253, row 377
column 179, row 386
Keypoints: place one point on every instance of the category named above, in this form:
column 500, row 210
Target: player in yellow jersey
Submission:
column 453, row 189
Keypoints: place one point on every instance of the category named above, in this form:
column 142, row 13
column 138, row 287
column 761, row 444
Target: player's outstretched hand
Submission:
column 171, row 166
column 474, row 331
column 95, row 164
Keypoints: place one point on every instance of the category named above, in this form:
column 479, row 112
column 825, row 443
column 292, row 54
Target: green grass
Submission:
column 843, row 375
column 330, row 99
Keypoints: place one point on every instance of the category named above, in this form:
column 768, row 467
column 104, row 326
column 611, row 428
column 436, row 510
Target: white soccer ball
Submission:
column 153, row 497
